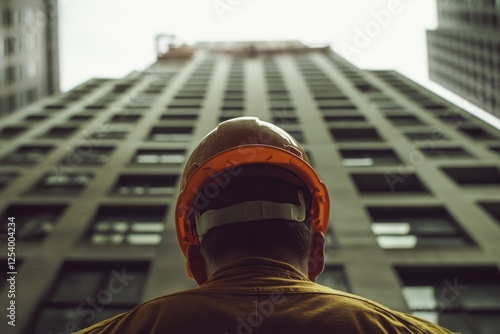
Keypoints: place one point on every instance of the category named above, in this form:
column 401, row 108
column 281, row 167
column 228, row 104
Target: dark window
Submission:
column 462, row 299
column 124, row 118
column 62, row 184
column 495, row 149
column 395, row 183
column 445, row 152
column 59, row 132
column 147, row 157
column 35, row 118
column 6, row 178
column 426, row 135
column 355, row 134
column 477, row 133
column 54, row 107
column 132, row 224
column 33, row 222
column 84, row 155
column 415, row 227
column 146, row 185
column 405, row 120
column 347, row 118
column 474, row 176
column 335, row 278
column 84, row 286
column 366, row 158
column 178, row 117
column 185, row 104
column 367, row 88
column 11, row 132
column 27, row 154
column 171, row 134
column 80, row 118
column 493, row 208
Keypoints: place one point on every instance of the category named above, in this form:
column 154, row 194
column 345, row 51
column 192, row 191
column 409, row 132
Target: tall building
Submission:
column 91, row 177
column 29, row 60
column 464, row 51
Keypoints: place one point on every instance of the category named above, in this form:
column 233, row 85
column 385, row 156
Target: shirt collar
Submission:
column 258, row 266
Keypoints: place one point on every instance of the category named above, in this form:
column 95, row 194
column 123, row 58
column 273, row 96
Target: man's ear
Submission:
column 316, row 260
column 197, row 264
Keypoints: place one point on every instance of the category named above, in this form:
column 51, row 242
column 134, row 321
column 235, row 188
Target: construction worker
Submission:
column 251, row 219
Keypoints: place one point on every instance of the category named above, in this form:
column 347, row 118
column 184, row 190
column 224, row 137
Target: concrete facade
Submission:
column 92, row 175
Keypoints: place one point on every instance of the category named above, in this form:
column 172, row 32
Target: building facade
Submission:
column 29, row 60
column 464, row 51
column 91, row 178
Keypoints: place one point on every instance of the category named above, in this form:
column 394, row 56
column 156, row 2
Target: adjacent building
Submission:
column 29, row 61
column 464, row 51
column 91, row 177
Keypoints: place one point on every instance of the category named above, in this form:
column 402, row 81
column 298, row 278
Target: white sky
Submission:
column 111, row 38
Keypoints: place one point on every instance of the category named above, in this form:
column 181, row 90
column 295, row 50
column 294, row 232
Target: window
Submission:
column 146, row 185
column 28, row 154
column 35, row 118
column 90, row 155
column 11, row 132
column 474, row 176
column 347, row 118
column 80, row 118
column 186, row 104
column 462, row 299
column 111, row 132
column 388, row 183
column 355, row 134
column 33, row 222
column 477, row 133
column 445, row 152
column 131, row 224
column 81, row 287
column 62, row 184
column 179, row 117
column 147, row 157
column 366, row 88
column 59, row 132
column 124, row 118
column 404, row 120
column 493, row 208
column 495, row 149
column 171, row 134
column 54, row 107
column 6, row 178
column 337, row 107
column 367, row 158
column 334, row 277
column 426, row 135
column 415, row 227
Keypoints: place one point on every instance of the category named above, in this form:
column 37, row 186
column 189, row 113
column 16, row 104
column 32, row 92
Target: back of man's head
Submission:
column 263, row 237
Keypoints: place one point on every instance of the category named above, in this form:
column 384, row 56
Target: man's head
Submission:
column 248, row 190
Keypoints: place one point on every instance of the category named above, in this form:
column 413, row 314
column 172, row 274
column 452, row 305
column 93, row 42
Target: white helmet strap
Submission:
column 250, row 211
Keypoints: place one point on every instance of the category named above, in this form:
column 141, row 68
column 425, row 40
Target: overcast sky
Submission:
column 111, row 38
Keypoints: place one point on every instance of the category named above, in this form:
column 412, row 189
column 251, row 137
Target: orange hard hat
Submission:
column 235, row 143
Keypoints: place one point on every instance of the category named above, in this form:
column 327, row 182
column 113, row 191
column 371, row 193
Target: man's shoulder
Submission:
column 342, row 308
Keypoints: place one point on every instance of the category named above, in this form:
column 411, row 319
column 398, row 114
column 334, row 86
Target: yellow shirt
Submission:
column 257, row 296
